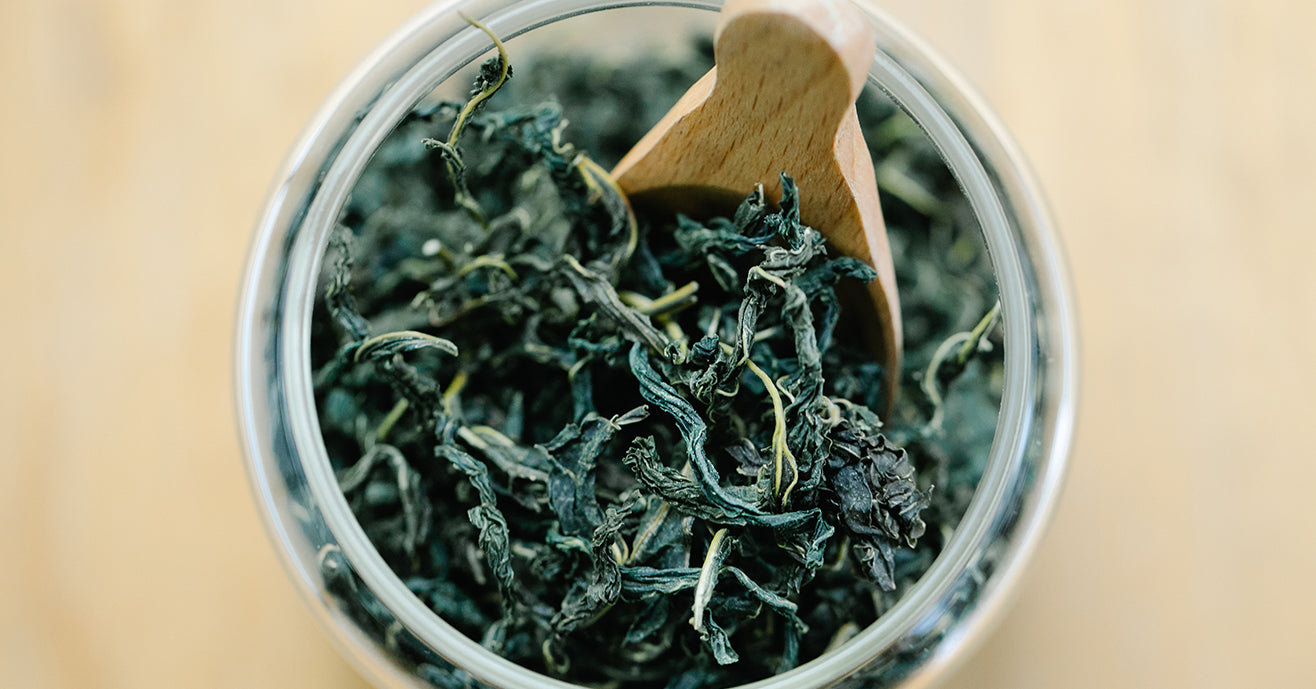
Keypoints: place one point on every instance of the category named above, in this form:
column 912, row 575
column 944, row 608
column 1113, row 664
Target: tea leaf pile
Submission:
column 638, row 451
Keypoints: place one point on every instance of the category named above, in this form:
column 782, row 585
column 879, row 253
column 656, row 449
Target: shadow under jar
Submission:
column 377, row 620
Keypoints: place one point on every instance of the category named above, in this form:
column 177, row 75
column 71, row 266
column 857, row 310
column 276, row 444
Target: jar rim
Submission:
column 411, row 63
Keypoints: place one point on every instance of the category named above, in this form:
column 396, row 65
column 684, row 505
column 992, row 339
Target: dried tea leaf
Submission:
column 639, row 451
column 486, row 518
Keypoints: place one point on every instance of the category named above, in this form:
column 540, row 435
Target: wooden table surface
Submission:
column 1176, row 138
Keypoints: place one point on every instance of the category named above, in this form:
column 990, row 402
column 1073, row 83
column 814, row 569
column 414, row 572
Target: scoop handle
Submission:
column 820, row 47
column 787, row 76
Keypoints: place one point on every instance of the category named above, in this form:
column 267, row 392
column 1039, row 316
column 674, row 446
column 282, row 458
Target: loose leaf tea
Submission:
column 641, row 451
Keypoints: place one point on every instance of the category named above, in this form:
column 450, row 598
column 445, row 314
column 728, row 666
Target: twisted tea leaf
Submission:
column 416, row 509
column 574, row 454
column 693, row 429
column 873, row 494
column 338, row 295
column 486, row 518
column 595, row 289
column 602, row 587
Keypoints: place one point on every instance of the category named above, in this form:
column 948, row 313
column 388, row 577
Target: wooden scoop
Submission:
column 781, row 99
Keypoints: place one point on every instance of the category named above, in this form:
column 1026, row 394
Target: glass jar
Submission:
column 393, row 638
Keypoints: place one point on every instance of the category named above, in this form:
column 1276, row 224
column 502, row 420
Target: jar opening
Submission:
column 416, row 63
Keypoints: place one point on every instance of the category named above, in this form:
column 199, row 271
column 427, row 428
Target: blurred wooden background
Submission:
column 1177, row 140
